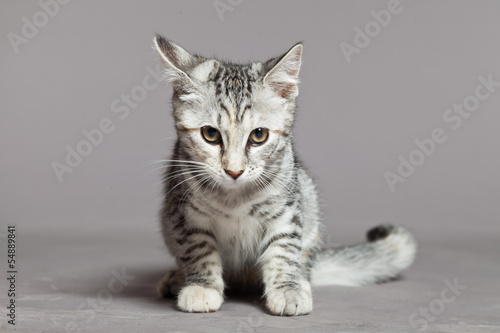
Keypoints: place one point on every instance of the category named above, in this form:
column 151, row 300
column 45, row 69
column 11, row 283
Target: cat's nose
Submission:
column 234, row 174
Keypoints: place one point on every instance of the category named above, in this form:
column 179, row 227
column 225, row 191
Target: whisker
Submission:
column 283, row 182
column 189, row 190
column 185, row 180
column 213, row 186
column 165, row 139
column 167, row 177
column 189, row 167
column 185, row 161
column 173, row 163
column 280, row 176
column 208, row 178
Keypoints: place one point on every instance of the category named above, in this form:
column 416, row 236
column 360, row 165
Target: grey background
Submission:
column 354, row 120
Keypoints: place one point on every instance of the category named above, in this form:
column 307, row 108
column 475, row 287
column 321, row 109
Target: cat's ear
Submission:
column 178, row 63
column 283, row 75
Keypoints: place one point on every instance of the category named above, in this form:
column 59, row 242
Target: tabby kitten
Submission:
column 239, row 209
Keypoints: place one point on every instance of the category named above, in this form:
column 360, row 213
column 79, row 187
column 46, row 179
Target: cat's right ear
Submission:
column 178, row 62
column 283, row 76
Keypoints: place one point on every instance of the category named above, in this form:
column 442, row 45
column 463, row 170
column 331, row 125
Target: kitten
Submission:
column 239, row 210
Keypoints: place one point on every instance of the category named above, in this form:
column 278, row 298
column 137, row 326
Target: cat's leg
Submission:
column 203, row 289
column 287, row 290
column 171, row 283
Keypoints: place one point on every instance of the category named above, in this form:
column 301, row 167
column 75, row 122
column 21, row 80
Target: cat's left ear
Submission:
column 283, row 76
column 178, row 64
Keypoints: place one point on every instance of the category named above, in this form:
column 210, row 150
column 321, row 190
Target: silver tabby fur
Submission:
column 260, row 231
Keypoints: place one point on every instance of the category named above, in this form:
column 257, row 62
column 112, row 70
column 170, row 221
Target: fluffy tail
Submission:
column 389, row 250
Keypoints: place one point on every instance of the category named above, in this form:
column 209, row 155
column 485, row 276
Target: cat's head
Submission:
column 235, row 119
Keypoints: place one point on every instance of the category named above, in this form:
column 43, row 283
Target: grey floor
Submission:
column 67, row 284
column 356, row 118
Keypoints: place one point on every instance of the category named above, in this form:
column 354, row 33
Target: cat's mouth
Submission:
column 235, row 180
column 234, row 183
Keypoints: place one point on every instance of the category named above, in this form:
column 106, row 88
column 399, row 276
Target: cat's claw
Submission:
column 199, row 299
column 289, row 302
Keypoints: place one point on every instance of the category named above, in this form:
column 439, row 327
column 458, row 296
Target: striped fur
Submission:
column 261, row 230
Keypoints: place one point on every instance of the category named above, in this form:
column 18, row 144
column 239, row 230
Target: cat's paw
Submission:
column 171, row 283
column 289, row 301
column 199, row 299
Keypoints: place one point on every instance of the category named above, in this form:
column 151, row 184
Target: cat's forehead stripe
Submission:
column 248, row 106
column 233, row 86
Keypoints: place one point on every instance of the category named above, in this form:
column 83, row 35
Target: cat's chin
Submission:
column 235, row 185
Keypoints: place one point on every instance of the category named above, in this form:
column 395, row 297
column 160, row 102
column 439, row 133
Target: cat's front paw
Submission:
column 199, row 299
column 289, row 301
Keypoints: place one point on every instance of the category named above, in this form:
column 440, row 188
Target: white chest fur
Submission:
column 239, row 238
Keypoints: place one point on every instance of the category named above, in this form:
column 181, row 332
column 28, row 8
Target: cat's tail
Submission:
column 389, row 251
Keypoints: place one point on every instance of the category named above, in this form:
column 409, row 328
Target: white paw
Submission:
column 289, row 302
column 199, row 299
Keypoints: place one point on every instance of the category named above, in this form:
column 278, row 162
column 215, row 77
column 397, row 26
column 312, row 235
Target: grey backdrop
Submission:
column 355, row 118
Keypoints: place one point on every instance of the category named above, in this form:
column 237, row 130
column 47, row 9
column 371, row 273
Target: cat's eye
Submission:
column 210, row 134
column 258, row 136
